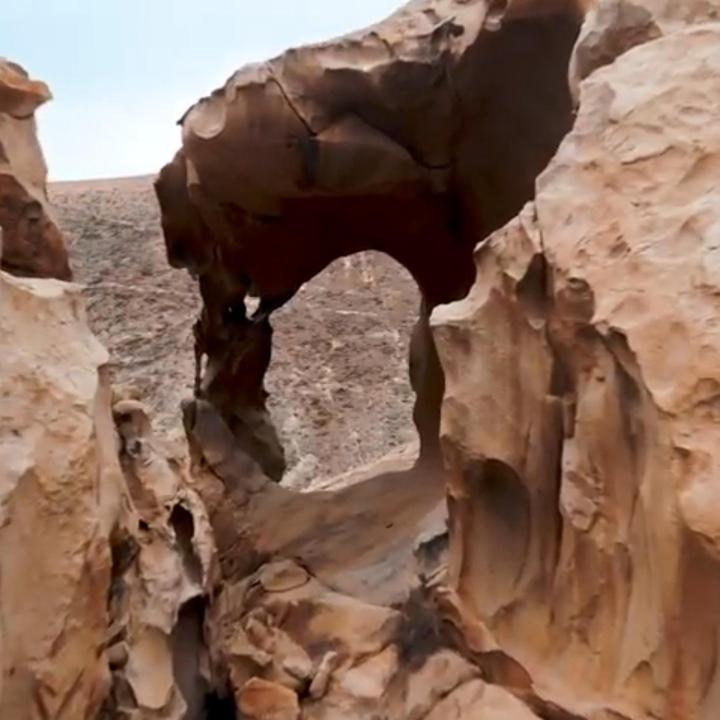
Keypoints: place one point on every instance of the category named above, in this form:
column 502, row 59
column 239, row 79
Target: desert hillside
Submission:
column 339, row 388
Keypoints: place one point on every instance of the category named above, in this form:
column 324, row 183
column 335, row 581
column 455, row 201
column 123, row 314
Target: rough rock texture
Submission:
column 31, row 243
column 611, row 28
column 584, row 523
column 104, row 565
column 327, row 606
column 59, row 497
column 427, row 130
column 560, row 560
column 161, row 574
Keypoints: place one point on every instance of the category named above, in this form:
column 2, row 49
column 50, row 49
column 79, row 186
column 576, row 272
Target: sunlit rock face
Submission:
column 415, row 137
column 59, row 500
column 580, row 413
column 32, row 244
column 106, row 552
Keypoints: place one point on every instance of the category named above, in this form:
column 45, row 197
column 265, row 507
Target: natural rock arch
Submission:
column 416, row 137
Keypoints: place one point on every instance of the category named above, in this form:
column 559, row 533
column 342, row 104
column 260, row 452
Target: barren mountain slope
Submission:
column 342, row 341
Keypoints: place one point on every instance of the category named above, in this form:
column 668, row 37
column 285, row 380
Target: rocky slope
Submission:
column 553, row 551
column 338, row 381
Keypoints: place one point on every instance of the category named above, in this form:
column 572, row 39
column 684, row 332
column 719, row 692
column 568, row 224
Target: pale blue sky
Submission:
column 123, row 71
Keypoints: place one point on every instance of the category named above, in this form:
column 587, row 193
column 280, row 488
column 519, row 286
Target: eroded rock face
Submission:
column 579, row 416
column 59, row 502
column 570, row 567
column 330, row 603
column 32, row 244
column 425, row 131
column 163, row 570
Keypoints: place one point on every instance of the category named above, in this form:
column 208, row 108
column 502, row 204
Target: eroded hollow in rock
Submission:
column 339, row 386
column 416, row 138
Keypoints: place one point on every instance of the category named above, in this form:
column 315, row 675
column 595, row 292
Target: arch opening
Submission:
column 339, row 386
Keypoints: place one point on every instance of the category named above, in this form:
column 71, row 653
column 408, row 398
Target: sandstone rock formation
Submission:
column 157, row 595
column 59, row 500
column 103, row 566
column 425, row 131
column 577, row 375
column 328, row 601
column 554, row 552
column 583, row 519
column 105, row 552
column 31, row 241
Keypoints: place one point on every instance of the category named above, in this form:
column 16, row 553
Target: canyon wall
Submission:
column 579, row 416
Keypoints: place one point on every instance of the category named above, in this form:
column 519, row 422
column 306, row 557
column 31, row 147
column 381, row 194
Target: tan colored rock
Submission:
column 158, row 599
column 475, row 699
column 439, row 675
column 611, row 28
column 671, row 15
column 59, row 502
column 32, row 244
column 579, row 415
column 263, row 700
column 319, row 684
column 371, row 678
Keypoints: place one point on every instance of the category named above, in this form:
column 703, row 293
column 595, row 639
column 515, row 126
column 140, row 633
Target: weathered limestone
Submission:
column 31, row 244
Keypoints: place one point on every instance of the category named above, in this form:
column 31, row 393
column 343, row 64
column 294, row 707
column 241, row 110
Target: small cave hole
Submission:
column 181, row 520
column 220, row 707
column 188, row 649
column 533, row 290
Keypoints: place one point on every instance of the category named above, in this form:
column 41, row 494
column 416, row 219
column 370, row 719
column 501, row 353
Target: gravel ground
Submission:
column 340, row 394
